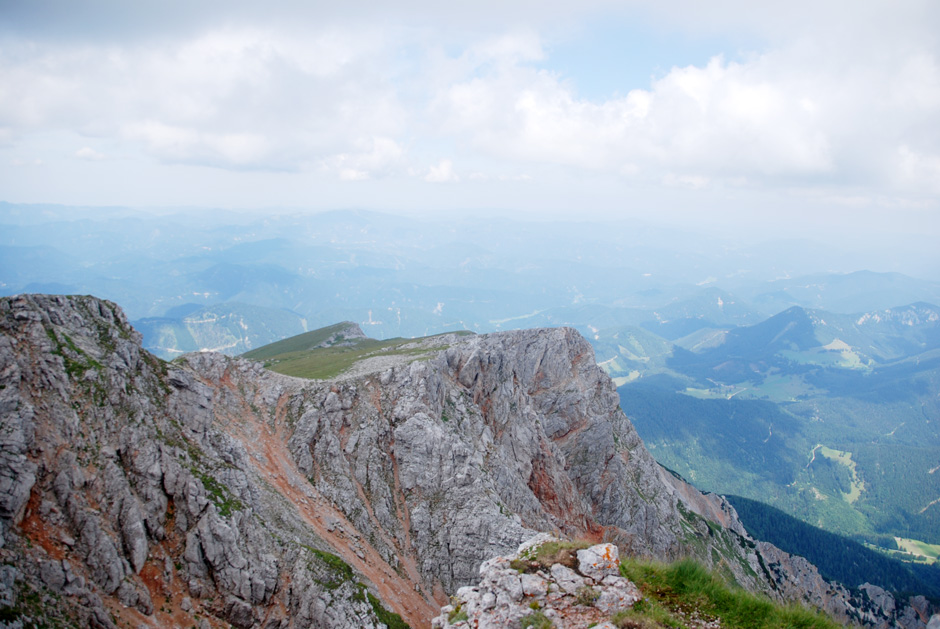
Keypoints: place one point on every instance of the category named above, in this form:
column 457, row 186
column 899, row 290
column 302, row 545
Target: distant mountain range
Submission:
column 397, row 276
column 832, row 418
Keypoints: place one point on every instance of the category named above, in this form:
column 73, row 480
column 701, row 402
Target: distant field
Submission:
column 844, row 458
column 721, row 392
column 929, row 552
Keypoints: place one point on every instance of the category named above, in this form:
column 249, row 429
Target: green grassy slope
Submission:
column 299, row 343
column 674, row 593
column 299, row 356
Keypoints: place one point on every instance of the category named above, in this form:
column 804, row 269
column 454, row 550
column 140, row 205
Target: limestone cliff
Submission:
column 134, row 491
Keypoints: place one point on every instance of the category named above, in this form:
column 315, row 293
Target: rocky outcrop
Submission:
column 509, row 590
column 210, row 488
column 347, row 334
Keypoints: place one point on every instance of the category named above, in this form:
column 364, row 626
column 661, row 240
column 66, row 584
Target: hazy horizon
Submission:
column 734, row 119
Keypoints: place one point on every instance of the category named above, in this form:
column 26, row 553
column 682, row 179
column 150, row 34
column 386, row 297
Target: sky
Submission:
column 780, row 117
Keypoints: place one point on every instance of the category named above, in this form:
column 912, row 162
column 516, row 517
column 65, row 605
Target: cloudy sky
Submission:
column 824, row 116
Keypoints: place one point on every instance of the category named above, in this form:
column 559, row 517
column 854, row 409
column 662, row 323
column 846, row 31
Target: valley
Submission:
column 844, row 435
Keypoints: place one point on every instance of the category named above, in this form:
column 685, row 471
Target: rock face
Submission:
column 161, row 494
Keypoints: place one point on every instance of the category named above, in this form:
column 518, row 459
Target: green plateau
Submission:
column 330, row 351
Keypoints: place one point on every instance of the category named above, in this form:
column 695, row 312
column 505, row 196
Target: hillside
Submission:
column 576, row 585
column 837, row 558
column 214, row 488
column 343, row 334
column 334, row 350
column 829, row 417
column 229, row 328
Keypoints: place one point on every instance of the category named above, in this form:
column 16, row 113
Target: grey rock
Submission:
column 52, row 575
column 132, row 596
column 567, row 579
column 616, row 594
column 534, row 585
column 503, row 596
column 238, row 612
column 7, row 581
column 879, row 596
column 599, row 561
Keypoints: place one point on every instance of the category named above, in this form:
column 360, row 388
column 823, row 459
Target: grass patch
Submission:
column 341, row 572
column 548, row 554
column 645, row 614
column 929, row 553
column 535, row 620
column 844, row 458
column 223, row 500
column 301, row 342
column 390, row 619
column 673, row 591
column 458, row 614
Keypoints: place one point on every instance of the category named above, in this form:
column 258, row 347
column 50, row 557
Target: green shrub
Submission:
column 457, row 614
column 586, row 596
column 548, row 554
column 536, row 620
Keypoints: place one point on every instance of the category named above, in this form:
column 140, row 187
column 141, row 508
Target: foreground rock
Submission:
column 512, row 589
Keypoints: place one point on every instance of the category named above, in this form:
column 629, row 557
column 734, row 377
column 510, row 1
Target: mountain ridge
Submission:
column 230, row 492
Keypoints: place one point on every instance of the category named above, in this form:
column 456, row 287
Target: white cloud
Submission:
column 443, row 172
column 20, row 162
column 230, row 97
column 89, row 154
column 690, row 182
column 918, row 170
column 770, row 119
column 516, row 47
column 376, row 158
column 848, row 101
column 481, row 176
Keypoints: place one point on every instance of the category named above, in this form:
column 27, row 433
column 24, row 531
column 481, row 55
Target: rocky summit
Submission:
column 514, row 588
column 211, row 492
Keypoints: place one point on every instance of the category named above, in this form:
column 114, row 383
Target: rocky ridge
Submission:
column 208, row 491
